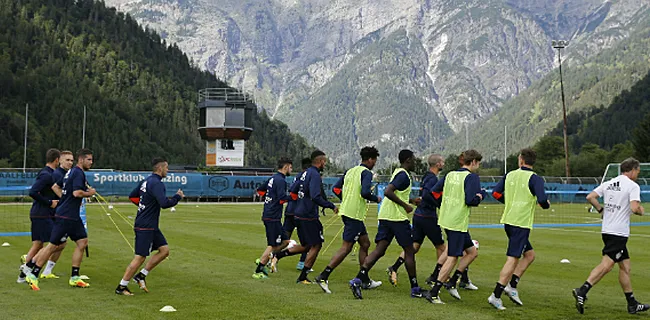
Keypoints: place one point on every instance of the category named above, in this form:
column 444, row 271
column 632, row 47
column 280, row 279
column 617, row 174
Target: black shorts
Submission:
column 147, row 241
column 64, row 228
column 429, row 228
column 400, row 230
column 289, row 225
column 615, row 247
column 458, row 242
column 518, row 242
column 274, row 233
column 310, row 232
column 42, row 229
column 353, row 229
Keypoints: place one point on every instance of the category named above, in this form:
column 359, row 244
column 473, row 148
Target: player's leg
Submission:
column 351, row 231
column 611, row 252
column 469, row 255
column 289, row 225
column 32, row 269
column 54, row 258
column 455, row 243
column 633, row 306
column 38, row 238
column 312, row 233
column 419, row 232
column 143, row 246
column 77, row 233
column 159, row 243
column 382, row 241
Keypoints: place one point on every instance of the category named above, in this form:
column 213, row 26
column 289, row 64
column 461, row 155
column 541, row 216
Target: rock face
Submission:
column 393, row 73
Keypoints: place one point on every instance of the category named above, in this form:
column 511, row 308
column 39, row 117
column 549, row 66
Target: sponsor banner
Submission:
column 233, row 157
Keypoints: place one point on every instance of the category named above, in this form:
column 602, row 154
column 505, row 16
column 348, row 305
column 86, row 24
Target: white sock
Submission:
column 145, row 272
column 124, row 283
column 48, row 268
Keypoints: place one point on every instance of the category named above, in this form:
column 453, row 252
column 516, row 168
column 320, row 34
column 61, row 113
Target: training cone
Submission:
column 6, row 244
column 168, row 309
column 172, row 209
column 110, row 207
column 565, row 261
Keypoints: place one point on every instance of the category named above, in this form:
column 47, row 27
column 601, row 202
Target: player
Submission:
column 460, row 190
column 150, row 197
column 68, row 222
column 354, row 190
column 275, row 197
column 309, row 199
column 42, row 211
column 520, row 190
column 394, row 223
column 622, row 196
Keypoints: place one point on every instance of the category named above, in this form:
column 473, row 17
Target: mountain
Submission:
column 140, row 92
column 589, row 81
column 395, row 73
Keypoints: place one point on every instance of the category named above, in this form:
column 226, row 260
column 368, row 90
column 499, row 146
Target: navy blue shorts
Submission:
column 457, row 242
column 427, row 227
column 64, row 228
column 274, row 233
column 310, row 232
column 517, row 240
column 353, row 229
column 400, row 230
column 147, row 241
column 289, row 225
column 42, row 229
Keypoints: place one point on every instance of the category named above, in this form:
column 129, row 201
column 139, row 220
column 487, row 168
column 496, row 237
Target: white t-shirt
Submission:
column 617, row 194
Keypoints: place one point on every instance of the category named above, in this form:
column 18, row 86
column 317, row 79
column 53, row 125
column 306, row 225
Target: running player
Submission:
column 622, row 196
column 274, row 198
column 355, row 190
column 150, row 197
column 42, row 211
column 68, row 222
column 310, row 229
column 520, row 190
column 394, row 223
column 460, row 190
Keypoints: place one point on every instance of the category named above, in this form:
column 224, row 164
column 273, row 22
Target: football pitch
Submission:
column 213, row 248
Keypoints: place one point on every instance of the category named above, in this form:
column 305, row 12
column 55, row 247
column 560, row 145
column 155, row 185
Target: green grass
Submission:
column 213, row 247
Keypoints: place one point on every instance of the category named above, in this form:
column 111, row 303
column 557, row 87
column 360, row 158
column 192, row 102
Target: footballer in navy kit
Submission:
column 150, row 197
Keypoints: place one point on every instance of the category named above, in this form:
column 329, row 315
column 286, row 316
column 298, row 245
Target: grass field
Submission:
column 208, row 275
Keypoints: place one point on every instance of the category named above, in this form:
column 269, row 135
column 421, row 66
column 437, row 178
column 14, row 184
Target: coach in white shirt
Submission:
column 622, row 197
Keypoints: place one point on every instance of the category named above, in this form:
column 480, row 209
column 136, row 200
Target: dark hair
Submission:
column 306, row 163
column 404, row 155
column 468, row 156
column 284, row 161
column 529, row 156
column 156, row 161
column 368, row 153
column 51, row 155
column 82, row 153
column 629, row 164
column 316, row 154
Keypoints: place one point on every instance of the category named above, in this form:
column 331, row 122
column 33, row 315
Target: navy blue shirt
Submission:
column 276, row 196
column 41, row 192
column 472, row 187
column 309, row 194
column 366, row 186
column 58, row 175
column 291, row 205
column 535, row 185
column 427, row 207
column 401, row 181
column 68, row 207
column 151, row 194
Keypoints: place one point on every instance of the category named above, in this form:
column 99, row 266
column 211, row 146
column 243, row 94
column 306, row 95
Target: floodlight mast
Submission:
column 559, row 45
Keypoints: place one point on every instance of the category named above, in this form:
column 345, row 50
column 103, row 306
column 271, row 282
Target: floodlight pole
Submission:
column 25, row 148
column 559, row 45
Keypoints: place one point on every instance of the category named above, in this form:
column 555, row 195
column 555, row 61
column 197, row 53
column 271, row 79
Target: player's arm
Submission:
column 37, row 188
column 79, row 189
column 592, row 198
column 282, row 191
column 158, row 191
column 635, row 201
column 56, row 188
column 261, row 190
column 536, row 186
column 427, row 195
column 499, row 190
column 338, row 187
column 473, row 193
column 401, row 182
column 134, row 196
column 366, row 187
column 436, row 192
column 293, row 190
column 315, row 195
